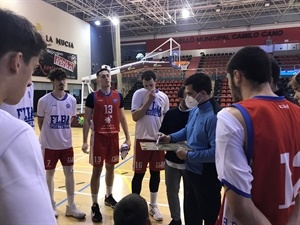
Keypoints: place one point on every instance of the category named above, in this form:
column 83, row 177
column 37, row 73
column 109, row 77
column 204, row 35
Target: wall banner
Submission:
column 52, row 59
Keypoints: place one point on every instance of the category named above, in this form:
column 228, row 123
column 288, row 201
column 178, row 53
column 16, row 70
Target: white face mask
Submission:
column 191, row 102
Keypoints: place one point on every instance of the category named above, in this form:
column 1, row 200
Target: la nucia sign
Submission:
column 60, row 41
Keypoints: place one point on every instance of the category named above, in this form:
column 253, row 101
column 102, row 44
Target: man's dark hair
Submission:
column 103, row 68
column 19, row 35
column 180, row 92
column 253, row 62
column 275, row 70
column 199, row 82
column 131, row 210
column 148, row 75
column 57, row 74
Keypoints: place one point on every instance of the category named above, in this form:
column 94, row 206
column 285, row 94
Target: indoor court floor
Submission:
column 121, row 188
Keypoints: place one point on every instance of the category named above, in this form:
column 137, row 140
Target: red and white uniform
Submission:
column 268, row 169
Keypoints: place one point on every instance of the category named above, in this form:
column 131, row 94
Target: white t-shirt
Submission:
column 56, row 130
column 24, row 195
column 231, row 161
column 148, row 126
column 24, row 109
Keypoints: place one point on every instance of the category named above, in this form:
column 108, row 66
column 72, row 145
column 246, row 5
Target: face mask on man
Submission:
column 191, row 102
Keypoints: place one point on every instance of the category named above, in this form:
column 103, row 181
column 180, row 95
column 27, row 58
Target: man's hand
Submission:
column 128, row 142
column 124, row 150
column 182, row 153
column 151, row 95
column 164, row 138
column 85, row 147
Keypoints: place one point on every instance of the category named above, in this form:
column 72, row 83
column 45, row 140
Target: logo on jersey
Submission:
column 107, row 119
column 59, row 122
column 155, row 110
column 68, row 106
column 26, row 114
column 115, row 100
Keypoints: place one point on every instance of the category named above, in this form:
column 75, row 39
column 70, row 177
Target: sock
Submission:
column 70, row 199
column 153, row 198
column 95, row 198
column 108, row 191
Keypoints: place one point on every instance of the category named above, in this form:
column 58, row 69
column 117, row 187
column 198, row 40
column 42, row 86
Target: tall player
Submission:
column 148, row 108
column 24, row 197
column 24, row 109
column 258, row 147
column 106, row 111
column 55, row 111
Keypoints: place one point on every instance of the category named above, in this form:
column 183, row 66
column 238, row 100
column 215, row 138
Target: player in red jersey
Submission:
column 105, row 109
column 258, row 147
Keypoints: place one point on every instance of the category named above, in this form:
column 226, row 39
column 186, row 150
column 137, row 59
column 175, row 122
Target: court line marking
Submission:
column 86, row 186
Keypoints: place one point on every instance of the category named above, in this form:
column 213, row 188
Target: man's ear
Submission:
column 16, row 61
column 237, row 77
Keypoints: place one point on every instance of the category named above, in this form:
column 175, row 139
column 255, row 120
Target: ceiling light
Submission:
column 218, row 8
column 97, row 23
column 115, row 21
column 267, row 3
column 185, row 13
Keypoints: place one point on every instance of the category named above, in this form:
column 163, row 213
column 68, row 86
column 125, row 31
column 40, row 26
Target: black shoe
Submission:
column 175, row 222
column 110, row 201
column 96, row 214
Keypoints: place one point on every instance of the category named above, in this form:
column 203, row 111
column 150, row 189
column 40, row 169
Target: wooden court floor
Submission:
column 122, row 184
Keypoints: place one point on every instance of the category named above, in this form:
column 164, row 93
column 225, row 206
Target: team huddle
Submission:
column 251, row 149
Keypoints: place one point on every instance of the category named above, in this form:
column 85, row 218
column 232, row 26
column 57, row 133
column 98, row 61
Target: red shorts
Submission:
column 156, row 159
column 66, row 157
column 104, row 148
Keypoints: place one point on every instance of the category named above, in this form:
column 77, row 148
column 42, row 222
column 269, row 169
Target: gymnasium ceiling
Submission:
column 153, row 17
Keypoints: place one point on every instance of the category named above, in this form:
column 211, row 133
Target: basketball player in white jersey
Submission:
column 24, row 197
column 55, row 111
column 24, row 109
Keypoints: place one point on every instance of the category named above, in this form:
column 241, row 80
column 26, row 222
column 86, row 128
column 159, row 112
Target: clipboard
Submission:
column 151, row 146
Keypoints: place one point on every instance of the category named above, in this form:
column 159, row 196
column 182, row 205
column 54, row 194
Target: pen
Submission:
column 157, row 141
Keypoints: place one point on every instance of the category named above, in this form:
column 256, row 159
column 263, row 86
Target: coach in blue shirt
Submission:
column 202, row 198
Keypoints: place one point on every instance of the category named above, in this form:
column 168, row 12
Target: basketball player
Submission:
column 24, row 109
column 295, row 84
column 24, row 197
column 55, row 111
column 105, row 108
column 258, row 147
column 148, row 108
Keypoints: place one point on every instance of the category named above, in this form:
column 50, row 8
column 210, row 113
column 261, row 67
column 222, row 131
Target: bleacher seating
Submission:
column 288, row 62
column 214, row 64
column 222, row 93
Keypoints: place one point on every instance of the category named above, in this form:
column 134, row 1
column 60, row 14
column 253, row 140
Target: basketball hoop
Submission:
column 183, row 65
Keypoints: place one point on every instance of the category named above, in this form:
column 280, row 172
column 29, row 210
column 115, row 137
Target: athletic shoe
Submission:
column 74, row 212
column 155, row 213
column 175, row 222
column 110, row 201
column 54, row 209
column 96, row 214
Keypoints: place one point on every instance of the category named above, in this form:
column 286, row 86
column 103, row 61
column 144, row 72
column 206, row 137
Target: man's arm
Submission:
column 124, row 125
column 86, row 125
column 40, row 122
column 295, row 216
column 244, row 210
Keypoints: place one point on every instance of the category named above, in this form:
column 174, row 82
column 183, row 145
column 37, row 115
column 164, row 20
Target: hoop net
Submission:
column 183, row 65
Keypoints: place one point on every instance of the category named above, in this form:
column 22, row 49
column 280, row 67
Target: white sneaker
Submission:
column 73, row 211
column 54, row 209
column 155, row 213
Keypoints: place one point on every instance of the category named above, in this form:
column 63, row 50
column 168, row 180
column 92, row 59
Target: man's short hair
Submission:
column 19, row 35
column 275, row 70
column 103, row 68
column 253, row 62
column 199, row 82
column 148, row 75
column 180, row 92
column 57, row 74
column 131, row 210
